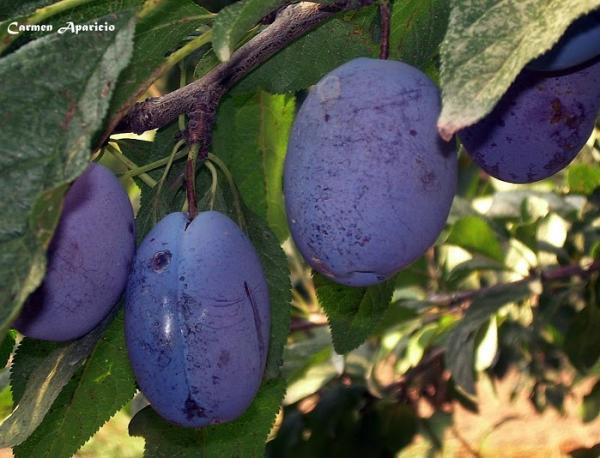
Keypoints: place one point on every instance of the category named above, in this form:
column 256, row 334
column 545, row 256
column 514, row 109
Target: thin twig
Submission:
column 385, row 13
column 552, row 274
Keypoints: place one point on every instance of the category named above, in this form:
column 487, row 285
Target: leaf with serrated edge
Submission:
column 233, row 22
column 105, row 384
column 41, row 150
column 487, row 44
column 353, row 313
column 44, row 383
column 244, row 437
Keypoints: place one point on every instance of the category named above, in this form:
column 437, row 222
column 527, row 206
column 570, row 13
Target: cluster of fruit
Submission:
column 368, row 185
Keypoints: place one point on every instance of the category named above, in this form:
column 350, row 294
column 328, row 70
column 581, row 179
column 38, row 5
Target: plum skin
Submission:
column 368, row 183
column 197, row 319
column 89, row 259
column 579, row 44
column 538, row 126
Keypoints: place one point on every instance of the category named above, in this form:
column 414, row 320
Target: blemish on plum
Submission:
column 193, row 409
column 224, row 358
column 160, row 260
column 413, row 132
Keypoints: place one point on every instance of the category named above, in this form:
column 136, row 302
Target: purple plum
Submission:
column 368, row 183
column 538, row 126
column 579, row 43
column 89, row 259
column 197, row 319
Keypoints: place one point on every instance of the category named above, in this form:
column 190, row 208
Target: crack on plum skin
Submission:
column 160, row 260
column 257, row 321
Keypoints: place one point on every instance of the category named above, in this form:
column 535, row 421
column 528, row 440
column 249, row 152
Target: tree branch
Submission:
column 200, row 99
column 553, row 274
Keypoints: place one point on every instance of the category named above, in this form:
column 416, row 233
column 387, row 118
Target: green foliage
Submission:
column 583, row 178
column 475, row 234
column 233, row 22
column 39, row 372
column 418, row 27
column 44, row 149
column 307, row 59
column 76, row 414
column 493, row 50
column 161, row 29
column 251, row 137
column 460, row 345
column 353, row 313
column 243, row 437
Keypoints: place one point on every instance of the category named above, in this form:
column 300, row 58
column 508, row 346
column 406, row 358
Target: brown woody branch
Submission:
column 200, row 99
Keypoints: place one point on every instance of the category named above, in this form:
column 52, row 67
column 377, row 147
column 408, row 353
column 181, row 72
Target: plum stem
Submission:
column 231, row 182
column 129, row 164
column 159, row 163
column 190, row 180
column 213, row 185
column 385, row 13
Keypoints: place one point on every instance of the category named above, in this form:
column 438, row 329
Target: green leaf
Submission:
column 274, row 264
column 244, row 437
column 154, row 207
column 12, row 8
column 417, row 29
column 39, row 373
column 474, row 233
column 583, row 178
column 460, row 345
column 233, row 22
column 6, row 348
column 353, row 313
column 487, row 44
column 591, row 404
column 251, row 137
column 582, row 342
column 307, row 59
column 159, row 31
column 43, row 149
column 104, row 385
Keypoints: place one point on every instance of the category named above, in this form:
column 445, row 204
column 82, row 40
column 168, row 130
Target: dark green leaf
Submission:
column 583, row 178
column 461, row 340
column 353, row 313
column 244, row 437
column 104, row 385
column 39, row 372
column 43, row 149
column 417, row 29
column 582, row 342
column 310, row 57
column 488, row 43
column 474, row 233
column 251, row 137
column 233, row 22
column 6, row 348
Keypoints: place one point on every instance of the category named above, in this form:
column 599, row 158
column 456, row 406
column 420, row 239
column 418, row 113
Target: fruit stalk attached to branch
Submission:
column 200, row 98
